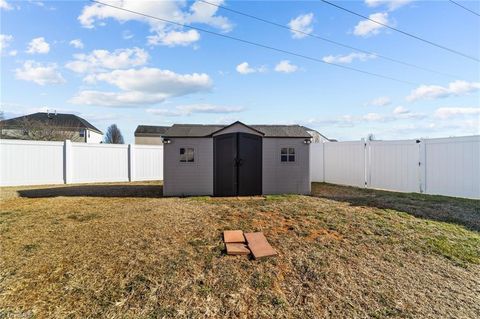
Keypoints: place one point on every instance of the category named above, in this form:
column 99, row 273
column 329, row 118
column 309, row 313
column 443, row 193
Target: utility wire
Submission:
column 403, row 32
column 313, row 35
column 461, row 6
column 257, row 44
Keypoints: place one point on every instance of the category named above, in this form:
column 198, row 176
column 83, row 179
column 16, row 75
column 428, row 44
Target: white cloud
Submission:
column 245, row 68
column 449, row 112
column 155, row 80
column 39, row 73
column 117, row 99
column 5, row 40
column 201, row 12
column 37, row 2
column 38, row 45
column 5, row 5
column 209, row 108
column 380, row 101
column 174, row 38
column 373, row 117
column 349, row 58
column 391, row 4
column 142, row 87
column 77, row 44
column 163, row 33
column 99, row 60
column 184, row 110
column 430, row 92
column 127, row 34
column 400, row 110
column 13, row 53
column 366, row 27
column 286, row 67
column 301, row 23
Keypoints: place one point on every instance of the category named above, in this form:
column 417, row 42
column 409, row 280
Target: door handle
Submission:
column 238, row 161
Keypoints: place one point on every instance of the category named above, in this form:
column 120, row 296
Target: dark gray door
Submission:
column 237, row 164
column 250, row 164
column 225, row 170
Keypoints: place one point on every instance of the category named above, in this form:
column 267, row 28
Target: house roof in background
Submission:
column 62, row 120
column 150, row 130
column 199, row 130
column 312, row 130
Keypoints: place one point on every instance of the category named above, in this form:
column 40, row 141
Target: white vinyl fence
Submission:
column 443, row 166
column 36, row 163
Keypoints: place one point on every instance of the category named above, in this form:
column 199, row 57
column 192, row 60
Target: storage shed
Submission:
column 236, row 160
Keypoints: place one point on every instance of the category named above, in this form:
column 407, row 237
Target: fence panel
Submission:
column 345, row 163
column 148, row 163
column 452, row 166
column 449, row 166
column 393, row 165
column 30, row 162
column 316, row 162
column 99, row 163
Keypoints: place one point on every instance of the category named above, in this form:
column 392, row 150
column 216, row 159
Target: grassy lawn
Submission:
column 120, row 250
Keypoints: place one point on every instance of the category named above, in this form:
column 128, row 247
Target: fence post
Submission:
column 422, row 162
column 131, row 162
column 67, row 161
column 323, row 161
column 365, row 162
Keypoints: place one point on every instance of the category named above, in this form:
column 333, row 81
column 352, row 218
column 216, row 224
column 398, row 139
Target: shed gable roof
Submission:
column 199, row 130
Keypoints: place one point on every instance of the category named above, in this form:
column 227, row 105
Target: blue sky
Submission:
column 110, row 66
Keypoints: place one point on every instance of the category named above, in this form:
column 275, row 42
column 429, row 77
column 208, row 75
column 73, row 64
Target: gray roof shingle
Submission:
column 62, row 120
column 151, row 130
column 199, row 130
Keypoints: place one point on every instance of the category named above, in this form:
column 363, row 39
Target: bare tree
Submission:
column 371, row 137
column 40, row 131
column 113, row 135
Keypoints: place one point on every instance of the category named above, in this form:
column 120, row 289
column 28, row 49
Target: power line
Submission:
column 327, row 40
column 402, row 32
column 257, row 44
column 461, row 6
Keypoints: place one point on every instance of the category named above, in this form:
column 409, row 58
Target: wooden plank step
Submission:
column 237, row 249
column 259, row 245
column 233, row 236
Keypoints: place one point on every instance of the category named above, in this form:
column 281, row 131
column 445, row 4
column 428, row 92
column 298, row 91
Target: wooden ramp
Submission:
column 237, row 249
column 259, row 245
column 233, row 236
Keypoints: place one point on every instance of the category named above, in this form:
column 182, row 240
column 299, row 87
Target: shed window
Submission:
column 187, row 155
column 287, row 154
column 82, row 133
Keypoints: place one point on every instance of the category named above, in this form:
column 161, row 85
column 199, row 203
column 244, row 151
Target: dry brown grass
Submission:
column 122, row 251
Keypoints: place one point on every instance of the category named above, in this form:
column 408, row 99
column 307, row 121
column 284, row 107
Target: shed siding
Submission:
column 182, row 179
column 285, row 178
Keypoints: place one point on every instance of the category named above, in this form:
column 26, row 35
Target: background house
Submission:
column 50, row 127
column 317, row 137
column 237, row 159
column 150, row 135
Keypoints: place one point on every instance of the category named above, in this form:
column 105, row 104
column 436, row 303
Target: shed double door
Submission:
column 237, row 164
